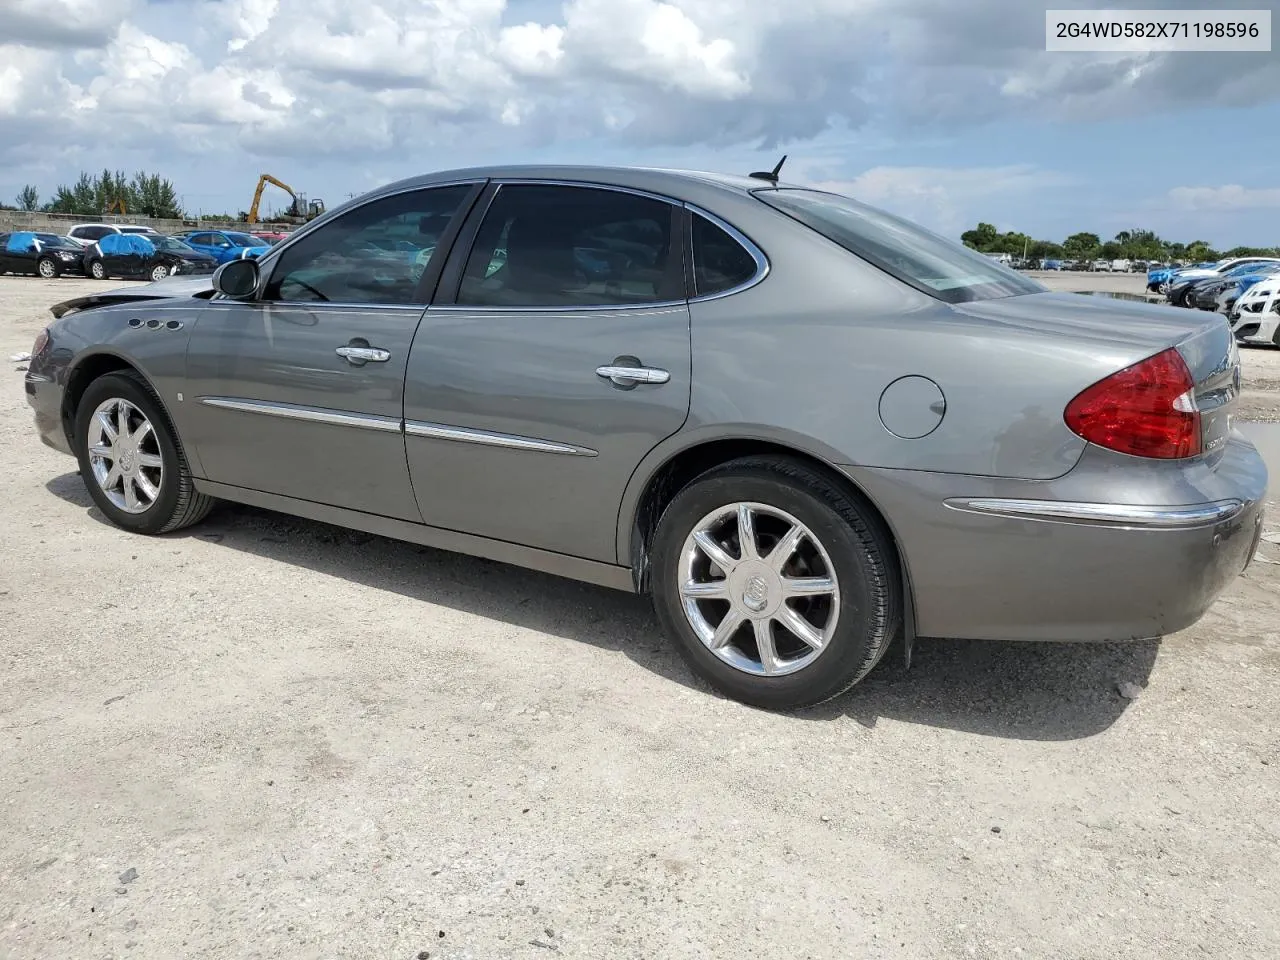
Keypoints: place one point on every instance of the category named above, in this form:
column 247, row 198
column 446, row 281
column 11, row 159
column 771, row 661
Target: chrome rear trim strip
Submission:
column 292, row 411
column 1107, row 514
column 440, row 431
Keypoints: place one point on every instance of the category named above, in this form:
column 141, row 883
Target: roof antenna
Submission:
column 771, row 175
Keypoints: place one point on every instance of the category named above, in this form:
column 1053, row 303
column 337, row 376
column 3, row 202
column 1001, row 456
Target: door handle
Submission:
column 630, row 376
column 362, row 355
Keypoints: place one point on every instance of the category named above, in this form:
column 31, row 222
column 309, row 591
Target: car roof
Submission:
column 661, row 180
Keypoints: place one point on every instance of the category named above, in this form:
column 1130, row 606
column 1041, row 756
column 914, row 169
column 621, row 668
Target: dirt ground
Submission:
column 266, row 737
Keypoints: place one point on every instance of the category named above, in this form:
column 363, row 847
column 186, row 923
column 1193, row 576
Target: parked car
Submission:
column 153, row 257
column 84, row 234
column 1255, row 316
column 223, row 245
column 1216, row 269
column 1214, row 294
column 1183, row 286
column 799, row 424
column 1051, row 265
column 42, row 254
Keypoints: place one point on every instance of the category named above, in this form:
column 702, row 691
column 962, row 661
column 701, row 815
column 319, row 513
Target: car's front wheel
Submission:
column 131, row 459
column 97, row 270
column 159, row 272
column 780, row 589
column 47, row 268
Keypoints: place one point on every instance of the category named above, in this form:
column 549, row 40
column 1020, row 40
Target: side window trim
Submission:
column 430, row 275
column 758, row 255
column 451, row 279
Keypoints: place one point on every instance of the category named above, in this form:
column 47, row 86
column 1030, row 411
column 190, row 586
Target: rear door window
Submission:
column 568, row 246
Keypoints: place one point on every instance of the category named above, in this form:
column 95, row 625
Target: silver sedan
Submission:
column 804, row 427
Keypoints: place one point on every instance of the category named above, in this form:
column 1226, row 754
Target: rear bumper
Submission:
column 1017, row 560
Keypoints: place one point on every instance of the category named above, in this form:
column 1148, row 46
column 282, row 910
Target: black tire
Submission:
column 47, row 267
column 159, row 272
column 1188, row 298
column 96, row 269
column 178, row 504
column 861, row 552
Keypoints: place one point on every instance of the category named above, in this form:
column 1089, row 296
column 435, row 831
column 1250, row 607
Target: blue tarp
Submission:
column 22, row 242
column 126, row 243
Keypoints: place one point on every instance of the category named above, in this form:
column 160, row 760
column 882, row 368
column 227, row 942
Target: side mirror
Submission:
column 237, row 279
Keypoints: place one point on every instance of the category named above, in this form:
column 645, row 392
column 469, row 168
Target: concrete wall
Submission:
column 60, row 223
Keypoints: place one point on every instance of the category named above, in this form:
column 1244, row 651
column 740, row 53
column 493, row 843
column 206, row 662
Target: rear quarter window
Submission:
column 942, row 268
column 720, row 262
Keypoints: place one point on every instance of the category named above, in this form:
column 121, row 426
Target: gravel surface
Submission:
column 267, row 737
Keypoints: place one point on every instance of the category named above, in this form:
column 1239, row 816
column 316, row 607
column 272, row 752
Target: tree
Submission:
column 1199, row 250
column 152, row 196
column 1082, row 246
column 29, row 198
column 146, row 195
column 983, row 238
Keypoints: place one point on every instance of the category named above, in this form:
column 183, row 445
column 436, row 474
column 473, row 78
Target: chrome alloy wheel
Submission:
column 47, row 269
column 758, row 589
column 124, row 453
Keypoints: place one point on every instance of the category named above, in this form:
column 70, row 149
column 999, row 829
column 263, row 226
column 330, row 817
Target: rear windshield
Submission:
column 930, row 263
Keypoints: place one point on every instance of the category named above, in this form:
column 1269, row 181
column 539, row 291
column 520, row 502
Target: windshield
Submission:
column 244, row 240
column 136, row 230
column 53, row 240
column 928, row 262
column 171, row 245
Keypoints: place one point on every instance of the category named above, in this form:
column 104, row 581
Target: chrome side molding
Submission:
column 1109, row 514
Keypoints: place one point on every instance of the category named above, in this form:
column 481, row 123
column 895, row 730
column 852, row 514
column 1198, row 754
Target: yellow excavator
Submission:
column 117, row 206
column 300, row 211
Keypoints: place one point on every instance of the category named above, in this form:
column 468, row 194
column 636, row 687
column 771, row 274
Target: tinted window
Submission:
column 374, row 254
column 719, row 262
column 552, row 246
column 92, row 233
column 939, row 267
column 172, row 245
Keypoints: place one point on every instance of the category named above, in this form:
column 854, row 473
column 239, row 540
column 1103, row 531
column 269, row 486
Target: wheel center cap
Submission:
column 755, row 595
column 755, row 589
column 126, row 460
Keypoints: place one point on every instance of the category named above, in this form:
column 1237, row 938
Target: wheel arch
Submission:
column 89, row 367
column 673, row 465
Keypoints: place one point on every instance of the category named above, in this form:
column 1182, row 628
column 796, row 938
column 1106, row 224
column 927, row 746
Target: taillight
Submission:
column 1146, row 410
column 42, row 341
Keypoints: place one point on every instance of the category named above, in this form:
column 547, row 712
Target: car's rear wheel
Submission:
column 1189, row 297
column 97, row 270
column 47, row 268
column 159, row 272
column 131, row 459
column 779, row 588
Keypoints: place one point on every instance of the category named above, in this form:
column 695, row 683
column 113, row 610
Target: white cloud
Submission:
column 946, row 199
column 1225, row 198
column 388, row 82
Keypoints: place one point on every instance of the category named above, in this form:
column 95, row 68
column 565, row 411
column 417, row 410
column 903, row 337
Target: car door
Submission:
column 300, row 391
column 556, row 356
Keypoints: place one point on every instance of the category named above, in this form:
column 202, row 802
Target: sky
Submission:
column 944, row 111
